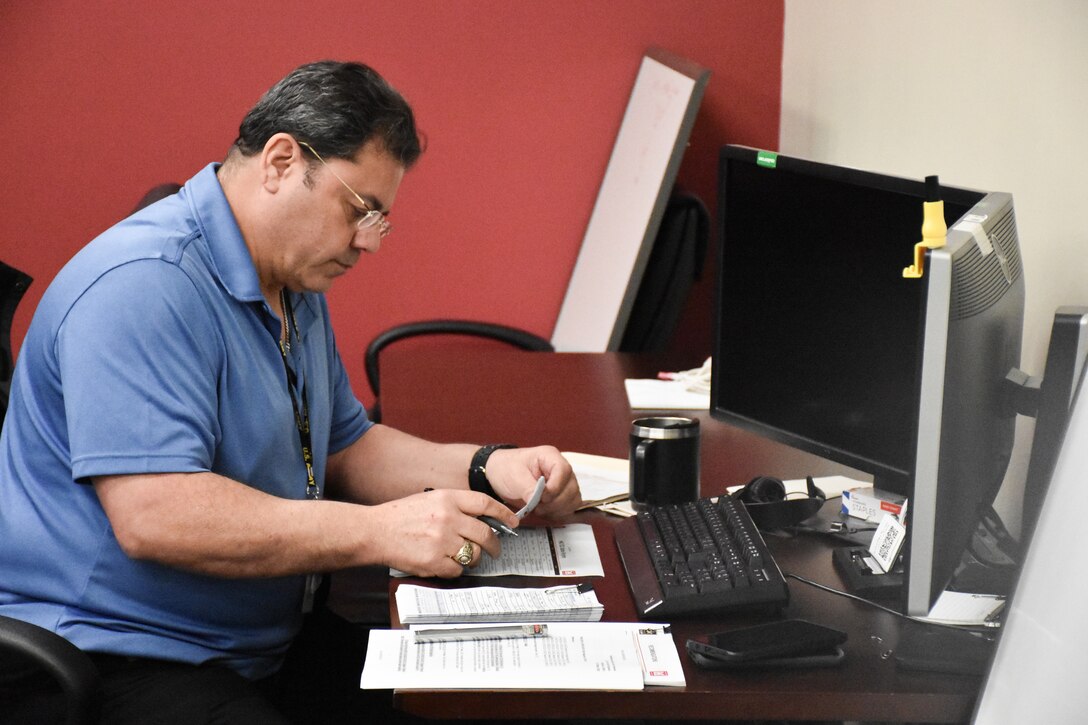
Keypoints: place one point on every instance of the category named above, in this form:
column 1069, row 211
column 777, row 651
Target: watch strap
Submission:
column 477, row 470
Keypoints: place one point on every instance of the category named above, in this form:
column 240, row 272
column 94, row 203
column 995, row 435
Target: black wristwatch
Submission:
column 477, row 470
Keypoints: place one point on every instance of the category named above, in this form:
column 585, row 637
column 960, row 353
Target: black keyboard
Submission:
column 696, row 558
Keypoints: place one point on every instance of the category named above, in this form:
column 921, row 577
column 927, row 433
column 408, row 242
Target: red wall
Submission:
column 520, row 103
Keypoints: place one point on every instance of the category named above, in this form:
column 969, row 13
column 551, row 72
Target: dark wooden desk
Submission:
column 577, row 403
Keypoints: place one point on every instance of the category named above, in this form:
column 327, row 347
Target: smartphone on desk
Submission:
column 785, row 643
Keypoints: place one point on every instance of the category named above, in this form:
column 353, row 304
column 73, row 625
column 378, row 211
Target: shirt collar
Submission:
column 230, row 255
column 214, row 217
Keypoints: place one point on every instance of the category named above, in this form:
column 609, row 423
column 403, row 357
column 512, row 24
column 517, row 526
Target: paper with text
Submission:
column 592, row 659
column 416, row 604
column 560, row 551
column 573, row 656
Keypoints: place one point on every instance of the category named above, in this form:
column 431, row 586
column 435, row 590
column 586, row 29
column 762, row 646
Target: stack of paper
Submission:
column 573, row 656
column 426, row 605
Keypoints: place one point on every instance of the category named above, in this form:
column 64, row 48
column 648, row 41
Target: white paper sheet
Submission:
column 562, row 551
column 573, row 656
column 966, row 609
column 664, row 395
column 416, row 604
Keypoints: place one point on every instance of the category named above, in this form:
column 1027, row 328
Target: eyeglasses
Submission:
column 370, row 217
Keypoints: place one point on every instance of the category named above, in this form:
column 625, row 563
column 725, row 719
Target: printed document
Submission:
column 562, row 551
column 573, row 656
column 424, row 605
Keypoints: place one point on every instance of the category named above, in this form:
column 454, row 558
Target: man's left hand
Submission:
column 513, row 473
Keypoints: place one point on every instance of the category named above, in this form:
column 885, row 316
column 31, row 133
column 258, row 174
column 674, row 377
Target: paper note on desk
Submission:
column 562, row 551
column 664, row 395
column 602, row 479
column 966, row 609
column 573, row 656
column 430, row 605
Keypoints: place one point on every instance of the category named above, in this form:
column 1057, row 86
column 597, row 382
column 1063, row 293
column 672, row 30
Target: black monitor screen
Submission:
column 818, row 332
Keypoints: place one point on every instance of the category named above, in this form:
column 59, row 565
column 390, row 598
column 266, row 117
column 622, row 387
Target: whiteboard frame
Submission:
column 630, row 203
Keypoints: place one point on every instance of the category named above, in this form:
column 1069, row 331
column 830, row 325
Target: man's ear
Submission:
column 281, row 157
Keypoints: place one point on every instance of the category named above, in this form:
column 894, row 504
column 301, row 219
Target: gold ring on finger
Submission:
column 464, row 554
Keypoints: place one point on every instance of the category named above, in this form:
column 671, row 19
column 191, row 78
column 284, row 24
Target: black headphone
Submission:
column 765, row 499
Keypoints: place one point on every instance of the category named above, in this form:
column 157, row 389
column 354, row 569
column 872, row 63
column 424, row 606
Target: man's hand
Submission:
column 423, row 532
column 513, row 473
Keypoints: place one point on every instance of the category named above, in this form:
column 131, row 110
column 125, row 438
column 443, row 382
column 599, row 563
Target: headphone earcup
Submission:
column 763, row 489
column 765, row 499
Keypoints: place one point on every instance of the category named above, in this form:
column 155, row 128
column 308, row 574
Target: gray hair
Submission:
column 336, row 108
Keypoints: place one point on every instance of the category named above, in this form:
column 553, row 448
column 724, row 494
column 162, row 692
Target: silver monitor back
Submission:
column 973, row 321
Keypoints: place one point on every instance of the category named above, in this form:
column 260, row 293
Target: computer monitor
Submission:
column 1052, row 398
column 824, row 345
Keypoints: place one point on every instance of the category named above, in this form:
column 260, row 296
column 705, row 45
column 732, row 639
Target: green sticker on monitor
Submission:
column 767, row 159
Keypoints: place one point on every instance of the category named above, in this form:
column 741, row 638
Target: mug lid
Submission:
column 665, row 427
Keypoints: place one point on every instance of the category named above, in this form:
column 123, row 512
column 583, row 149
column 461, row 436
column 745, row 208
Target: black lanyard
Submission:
column 302, row 412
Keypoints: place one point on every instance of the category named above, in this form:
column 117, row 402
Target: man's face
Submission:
column 318, row 238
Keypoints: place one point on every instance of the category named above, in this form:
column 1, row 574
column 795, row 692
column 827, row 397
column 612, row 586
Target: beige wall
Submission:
column 988, row 94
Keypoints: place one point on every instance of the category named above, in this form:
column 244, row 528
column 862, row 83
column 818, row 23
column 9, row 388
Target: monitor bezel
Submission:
column 886, row 476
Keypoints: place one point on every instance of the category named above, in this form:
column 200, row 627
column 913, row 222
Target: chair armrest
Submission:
column 69, row 665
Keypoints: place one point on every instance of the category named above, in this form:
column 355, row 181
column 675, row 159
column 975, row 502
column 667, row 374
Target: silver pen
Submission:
column 497, row 526
column 470, row 634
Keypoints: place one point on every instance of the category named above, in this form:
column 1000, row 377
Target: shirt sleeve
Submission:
column 138, row 357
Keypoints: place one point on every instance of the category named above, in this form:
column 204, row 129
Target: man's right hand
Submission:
column 421, row 534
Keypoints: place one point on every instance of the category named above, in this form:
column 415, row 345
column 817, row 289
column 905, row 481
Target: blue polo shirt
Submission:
column 153, row 351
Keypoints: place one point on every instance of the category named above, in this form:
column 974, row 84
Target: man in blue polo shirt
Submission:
column 182, row 451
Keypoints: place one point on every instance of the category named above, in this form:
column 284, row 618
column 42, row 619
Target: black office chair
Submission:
column 675, row 263
column 13, row 285
column 27, row 648
column 509, row 335
column 155, row 193
column 24, row 647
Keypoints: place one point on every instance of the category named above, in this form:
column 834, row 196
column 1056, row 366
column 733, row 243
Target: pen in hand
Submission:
column 497, row 526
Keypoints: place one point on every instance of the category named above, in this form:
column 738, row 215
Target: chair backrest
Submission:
column 676, row 261
column 155, row 193
column 13, row 285
column 509, row 335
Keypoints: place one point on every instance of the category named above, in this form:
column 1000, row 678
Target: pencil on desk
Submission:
column 472, row 634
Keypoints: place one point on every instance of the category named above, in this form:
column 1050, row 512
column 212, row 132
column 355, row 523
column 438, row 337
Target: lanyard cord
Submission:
column 302, row 414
